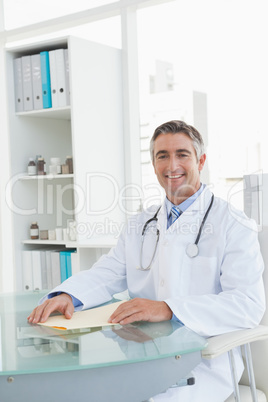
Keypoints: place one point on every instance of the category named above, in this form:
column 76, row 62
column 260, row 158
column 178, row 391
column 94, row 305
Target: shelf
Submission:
column 49, row 242
column 99, row 242
column 63, row 113
column 102, row 242
column 46, row 176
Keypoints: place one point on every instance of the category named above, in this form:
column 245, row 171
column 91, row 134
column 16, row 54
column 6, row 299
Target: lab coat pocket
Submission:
column 202, row 275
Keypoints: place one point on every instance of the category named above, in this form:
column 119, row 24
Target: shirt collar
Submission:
column 185, row 204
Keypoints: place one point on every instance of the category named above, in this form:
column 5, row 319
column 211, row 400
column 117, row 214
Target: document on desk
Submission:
column 92, row 318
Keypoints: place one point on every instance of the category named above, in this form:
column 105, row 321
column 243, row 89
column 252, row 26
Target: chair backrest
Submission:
column 260, row 349
column 263, row 239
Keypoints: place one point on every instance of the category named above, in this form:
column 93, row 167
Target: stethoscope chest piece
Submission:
column 192, row 250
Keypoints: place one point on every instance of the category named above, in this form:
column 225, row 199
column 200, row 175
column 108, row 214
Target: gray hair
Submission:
column 175, row 127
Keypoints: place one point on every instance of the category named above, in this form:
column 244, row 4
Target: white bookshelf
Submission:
column 91, row 130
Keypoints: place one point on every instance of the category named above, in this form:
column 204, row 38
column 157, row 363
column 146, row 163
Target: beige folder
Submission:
column 95, row 317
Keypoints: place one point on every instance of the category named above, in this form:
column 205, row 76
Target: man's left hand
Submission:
column 141, row 310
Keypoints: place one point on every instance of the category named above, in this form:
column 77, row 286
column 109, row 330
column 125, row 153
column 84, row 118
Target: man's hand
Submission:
column 62, row 303
column 141, row 310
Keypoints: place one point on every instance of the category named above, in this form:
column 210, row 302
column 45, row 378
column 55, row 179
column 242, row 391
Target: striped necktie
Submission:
column 175, row 213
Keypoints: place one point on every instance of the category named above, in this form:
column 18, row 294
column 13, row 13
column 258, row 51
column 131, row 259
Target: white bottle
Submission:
column 31, row 167
column 72, row 230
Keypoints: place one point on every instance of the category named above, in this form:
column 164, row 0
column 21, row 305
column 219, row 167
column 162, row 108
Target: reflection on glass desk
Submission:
column 118, row 363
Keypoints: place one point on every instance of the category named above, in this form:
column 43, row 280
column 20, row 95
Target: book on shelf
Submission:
column 38, row 270
column 27, row 85
column 61, row 77
column 47, row 268
column 75, row 263
column 41, row 80
column 53, row 78
column 37, row 82
column 55, row 268
column 58, row 74
column 45, row 77
column 27, row 270
column 67, row 69
column 18, row 85
column 66, row 264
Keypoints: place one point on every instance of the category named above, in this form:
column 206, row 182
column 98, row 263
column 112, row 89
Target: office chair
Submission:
column 255, row 339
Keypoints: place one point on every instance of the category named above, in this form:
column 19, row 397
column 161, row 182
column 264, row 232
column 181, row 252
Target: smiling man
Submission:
column 217, row 288
column 177, row 163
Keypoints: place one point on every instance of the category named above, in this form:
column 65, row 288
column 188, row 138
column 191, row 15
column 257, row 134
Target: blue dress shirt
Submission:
column 183, row 206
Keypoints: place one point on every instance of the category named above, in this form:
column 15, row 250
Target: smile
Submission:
column 175, row 176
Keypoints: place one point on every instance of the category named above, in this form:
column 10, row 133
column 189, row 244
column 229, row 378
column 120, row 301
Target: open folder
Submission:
column 95, row 317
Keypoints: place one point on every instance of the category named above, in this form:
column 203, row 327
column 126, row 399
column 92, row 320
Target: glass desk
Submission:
column 115, row 364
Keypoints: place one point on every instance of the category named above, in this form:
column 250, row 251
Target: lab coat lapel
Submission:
column 197, row 209
column 162, row 218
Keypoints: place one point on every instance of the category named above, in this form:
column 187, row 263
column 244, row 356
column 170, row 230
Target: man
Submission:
column 212, row 286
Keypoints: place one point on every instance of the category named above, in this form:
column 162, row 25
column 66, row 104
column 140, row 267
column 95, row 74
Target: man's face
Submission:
column 176, row 166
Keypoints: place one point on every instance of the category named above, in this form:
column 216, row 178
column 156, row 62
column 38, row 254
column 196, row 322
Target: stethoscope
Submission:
column 192, row 249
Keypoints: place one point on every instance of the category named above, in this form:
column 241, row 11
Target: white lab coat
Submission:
column 218, row 291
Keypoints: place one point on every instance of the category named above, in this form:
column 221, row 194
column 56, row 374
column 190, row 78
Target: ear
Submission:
column 153, row 166
column 201, row 162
